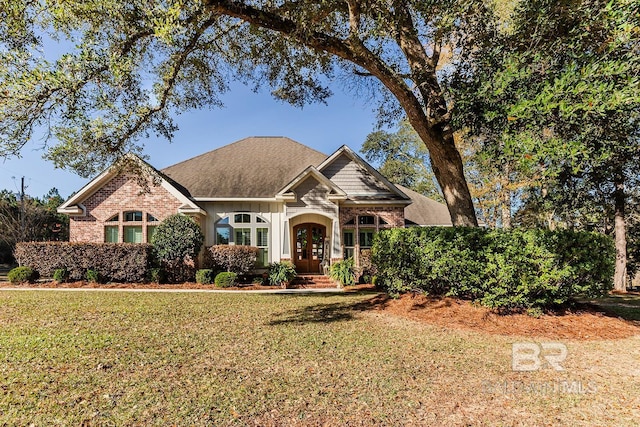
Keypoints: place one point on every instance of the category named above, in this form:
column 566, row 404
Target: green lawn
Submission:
column 110, row 358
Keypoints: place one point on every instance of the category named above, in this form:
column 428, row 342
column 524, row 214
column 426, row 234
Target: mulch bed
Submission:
column 586, row 322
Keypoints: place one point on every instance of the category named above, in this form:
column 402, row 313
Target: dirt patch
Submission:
column 584, row 323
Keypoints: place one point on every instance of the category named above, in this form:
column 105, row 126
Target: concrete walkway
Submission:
column 223, row 291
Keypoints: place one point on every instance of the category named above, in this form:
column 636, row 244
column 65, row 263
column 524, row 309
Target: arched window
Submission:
column 245, row 229
column 130, row 227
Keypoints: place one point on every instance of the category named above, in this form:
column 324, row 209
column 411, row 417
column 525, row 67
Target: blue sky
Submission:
column 344, row 120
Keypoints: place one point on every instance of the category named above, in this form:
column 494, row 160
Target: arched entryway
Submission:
column 309, row 247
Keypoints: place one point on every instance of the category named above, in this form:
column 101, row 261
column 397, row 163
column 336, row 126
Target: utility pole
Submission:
column 22, row 213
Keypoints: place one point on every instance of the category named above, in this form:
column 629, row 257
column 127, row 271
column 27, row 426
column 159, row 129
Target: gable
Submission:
column 115, row 177
column 358, row 181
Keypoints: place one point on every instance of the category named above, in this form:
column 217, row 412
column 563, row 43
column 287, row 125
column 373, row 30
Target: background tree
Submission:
column 402, row 159
column 30, row 220
column 137, row 62
column 575, row 112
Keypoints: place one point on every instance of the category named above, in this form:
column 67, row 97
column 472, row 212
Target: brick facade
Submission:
column 120, row 194
column 392, row 215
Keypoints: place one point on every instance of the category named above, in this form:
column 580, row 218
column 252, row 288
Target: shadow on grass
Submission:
column 330, row 313
column 625, row 306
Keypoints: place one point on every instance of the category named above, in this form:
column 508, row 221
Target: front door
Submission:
column 309, row 246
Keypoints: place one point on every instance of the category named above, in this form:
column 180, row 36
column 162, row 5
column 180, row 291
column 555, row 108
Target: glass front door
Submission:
column 309, row 246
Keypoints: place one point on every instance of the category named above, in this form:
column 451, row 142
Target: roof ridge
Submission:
column 227, row 146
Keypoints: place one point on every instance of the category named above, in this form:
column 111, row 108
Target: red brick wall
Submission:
column 120, row 194
column 393, row 215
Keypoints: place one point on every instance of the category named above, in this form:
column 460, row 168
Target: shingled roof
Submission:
column 425, row 211
column 254, row 167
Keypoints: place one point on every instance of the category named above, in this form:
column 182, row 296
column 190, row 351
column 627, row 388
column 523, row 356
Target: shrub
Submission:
column 367, row 268
column 204, row 276
column 236, row 259
column 157, row 275
column 502, row 269
column 119, row 262
column 226, row 279
column 280, row 273
column 177, row 238
column 22, row 275
column 93, row 276
column 344, row 272
column 177, row 242
column 60, row 275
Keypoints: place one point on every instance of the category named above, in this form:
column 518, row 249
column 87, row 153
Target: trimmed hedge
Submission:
column 118, row 262
column 236, row 259
column 502, row 269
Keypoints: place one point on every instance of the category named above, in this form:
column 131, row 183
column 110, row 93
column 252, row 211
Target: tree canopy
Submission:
column 134, row 64
column 561, row 85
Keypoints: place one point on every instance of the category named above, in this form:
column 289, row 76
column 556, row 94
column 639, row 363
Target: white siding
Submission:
column 272, row 212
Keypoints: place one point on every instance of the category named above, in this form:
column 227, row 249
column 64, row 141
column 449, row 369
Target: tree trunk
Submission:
column 620, row 275
column 505, row 202
column 447, row 168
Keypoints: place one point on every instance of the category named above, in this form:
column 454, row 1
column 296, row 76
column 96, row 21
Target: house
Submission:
column 291, row 201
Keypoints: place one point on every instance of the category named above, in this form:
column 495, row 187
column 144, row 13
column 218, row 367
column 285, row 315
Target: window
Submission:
column 136, row 226
column 223, row 235
column 111, row 233
column 358, row 232
column 366, row 220
column 262, row 242
column 366, row 238
column 243, row 236
column 133, row 234
column 246, row 229
column 349, row 243
column 151, row 229
column 242, row 218
column 132, row 216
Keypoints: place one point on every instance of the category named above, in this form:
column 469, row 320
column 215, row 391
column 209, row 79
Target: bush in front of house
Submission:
column 177, row 237
column 281, row 273
column 177, row 242
column 117, row 262
column 367, row 268
column 232, row 258
column 60, row 275
column 226, row 279
column 23, row 274
column 205, row 276
column 93, row 276
column 502, row 269
column 157, row 275
column 343, row 272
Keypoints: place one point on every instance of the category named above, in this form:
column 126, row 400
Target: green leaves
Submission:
column 502, row 269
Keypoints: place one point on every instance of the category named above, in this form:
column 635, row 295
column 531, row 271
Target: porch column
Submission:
column 336, row 240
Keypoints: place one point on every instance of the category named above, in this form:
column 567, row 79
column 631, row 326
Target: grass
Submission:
column 110, row 358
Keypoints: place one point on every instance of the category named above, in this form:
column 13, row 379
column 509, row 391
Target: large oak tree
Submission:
column 134, row 64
